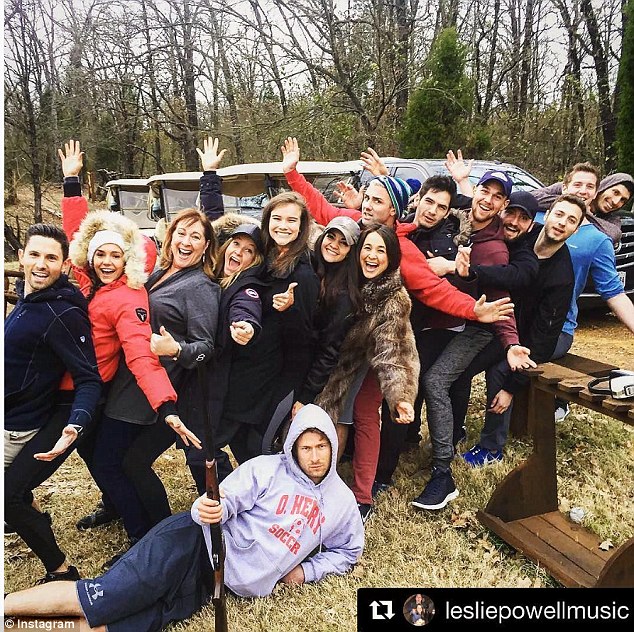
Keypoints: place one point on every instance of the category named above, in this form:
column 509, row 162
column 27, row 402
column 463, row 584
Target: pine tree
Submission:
column 439, row 115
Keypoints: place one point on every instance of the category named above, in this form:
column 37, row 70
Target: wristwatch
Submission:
column 79, row 429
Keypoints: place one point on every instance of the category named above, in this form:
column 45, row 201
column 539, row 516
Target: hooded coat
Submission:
column 119, row 311
column 274, row 516
column 382, row 338
column 46, row 334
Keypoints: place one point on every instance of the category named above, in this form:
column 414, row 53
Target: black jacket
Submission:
column 518, row 274
column 278, row 360
column 441, row 241
column 331, row 327
column 46, row 334
column 540, row 310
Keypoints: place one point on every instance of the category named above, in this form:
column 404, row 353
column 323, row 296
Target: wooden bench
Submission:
column 10, row 296
column 523, row 509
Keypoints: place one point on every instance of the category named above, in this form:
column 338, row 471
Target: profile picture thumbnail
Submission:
column 419, row 610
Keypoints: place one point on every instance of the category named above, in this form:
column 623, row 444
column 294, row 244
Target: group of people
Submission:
column 290, row 332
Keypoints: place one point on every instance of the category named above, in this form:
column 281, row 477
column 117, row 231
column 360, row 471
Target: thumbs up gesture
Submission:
column 163, row 343
column 281, row 302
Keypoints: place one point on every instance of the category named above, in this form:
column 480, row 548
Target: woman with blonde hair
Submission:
column 183, row 301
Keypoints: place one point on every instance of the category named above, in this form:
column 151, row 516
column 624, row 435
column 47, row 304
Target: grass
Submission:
column 449, row 548
column 404, row 547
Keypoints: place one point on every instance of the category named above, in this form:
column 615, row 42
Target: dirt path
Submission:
column 601, row 336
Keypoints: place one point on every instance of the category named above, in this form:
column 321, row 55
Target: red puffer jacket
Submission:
column 119, row 311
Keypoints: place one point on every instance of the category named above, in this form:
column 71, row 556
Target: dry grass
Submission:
column 403, row 547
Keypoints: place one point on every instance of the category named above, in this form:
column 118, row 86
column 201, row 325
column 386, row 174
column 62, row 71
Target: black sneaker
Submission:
column 366, row 511
column 71, row 575
column 97, row 518
column 438, row 492
column 379, row 488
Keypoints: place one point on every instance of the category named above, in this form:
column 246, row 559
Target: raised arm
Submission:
column 211, row 202
column 318, row 206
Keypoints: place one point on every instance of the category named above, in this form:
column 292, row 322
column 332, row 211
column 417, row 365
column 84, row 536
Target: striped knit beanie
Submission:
column 399, row 192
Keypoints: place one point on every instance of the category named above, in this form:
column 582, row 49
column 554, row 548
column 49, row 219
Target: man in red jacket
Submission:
column 385, row 201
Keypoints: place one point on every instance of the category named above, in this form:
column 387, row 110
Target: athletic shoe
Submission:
column 71, row 575
column 366, row 511
column 561, row 412
column 478, row 456
column 379, row 488
column 98, row 517
column 438, row 492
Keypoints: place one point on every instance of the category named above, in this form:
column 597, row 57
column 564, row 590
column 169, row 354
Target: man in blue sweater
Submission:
column 45, row 335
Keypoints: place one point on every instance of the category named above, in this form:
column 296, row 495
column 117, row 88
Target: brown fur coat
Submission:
column 383, row 338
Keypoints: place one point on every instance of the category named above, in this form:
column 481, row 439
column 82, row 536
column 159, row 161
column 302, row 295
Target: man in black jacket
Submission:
column 46, row 334
column 540, row 312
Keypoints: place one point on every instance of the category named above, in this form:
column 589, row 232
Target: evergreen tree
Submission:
column 439, row 115
column 625, row 121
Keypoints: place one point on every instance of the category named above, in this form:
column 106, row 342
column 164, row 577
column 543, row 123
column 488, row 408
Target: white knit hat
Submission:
column 102, row 237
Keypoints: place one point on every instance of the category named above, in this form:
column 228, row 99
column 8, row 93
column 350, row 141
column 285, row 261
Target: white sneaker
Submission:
column 561, row 412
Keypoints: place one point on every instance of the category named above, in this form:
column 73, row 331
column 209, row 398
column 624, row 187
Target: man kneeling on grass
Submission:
column 276, row 510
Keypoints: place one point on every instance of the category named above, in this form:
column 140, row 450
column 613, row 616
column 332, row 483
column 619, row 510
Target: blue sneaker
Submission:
column 478, row 456
column 438, row 492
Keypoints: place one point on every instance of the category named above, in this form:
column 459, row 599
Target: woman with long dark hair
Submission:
column 335, row 263
column 379, row 353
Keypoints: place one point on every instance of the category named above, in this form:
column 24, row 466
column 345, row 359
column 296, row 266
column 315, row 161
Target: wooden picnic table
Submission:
column 523, row 509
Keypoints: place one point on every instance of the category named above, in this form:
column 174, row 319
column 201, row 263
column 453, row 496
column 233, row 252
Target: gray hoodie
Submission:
column 274, row 516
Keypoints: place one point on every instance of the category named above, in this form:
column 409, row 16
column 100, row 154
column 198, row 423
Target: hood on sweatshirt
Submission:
column 310, row 416
column 614, row 179
column 135, row 246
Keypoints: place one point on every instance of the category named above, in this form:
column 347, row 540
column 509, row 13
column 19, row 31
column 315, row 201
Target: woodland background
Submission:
column 541, row 83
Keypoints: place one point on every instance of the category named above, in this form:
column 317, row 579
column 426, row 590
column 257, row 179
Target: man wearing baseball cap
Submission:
column 385, row 202
column 490, row 197
column 540, row 310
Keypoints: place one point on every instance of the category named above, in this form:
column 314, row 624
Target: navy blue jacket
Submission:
column 45, row 335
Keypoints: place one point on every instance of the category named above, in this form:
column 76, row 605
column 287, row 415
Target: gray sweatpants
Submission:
column 456, row 357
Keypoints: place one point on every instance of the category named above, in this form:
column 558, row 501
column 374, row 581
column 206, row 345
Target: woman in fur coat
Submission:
column 379, row 350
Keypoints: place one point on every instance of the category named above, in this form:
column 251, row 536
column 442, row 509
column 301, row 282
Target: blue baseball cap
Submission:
column 499, row 176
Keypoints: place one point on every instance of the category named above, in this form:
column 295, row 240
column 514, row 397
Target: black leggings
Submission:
column 122, row 468
column 24, row 475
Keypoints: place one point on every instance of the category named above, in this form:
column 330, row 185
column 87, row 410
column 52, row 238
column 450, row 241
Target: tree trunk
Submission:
column 151, row 75
column 191, row 155
column 600, row 57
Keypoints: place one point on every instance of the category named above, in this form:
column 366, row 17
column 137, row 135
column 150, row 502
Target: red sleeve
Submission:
column 134, row 335
column 318, row 206
column 74, row 209
column 424, row 285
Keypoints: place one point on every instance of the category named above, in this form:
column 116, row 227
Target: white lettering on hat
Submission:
column 499, row 174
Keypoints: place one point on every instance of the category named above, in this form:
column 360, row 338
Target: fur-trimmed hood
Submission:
column 227, row 223
column 134, row 252
column 464, row 226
